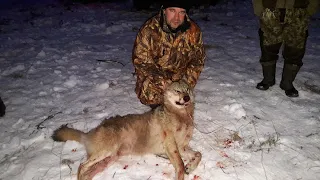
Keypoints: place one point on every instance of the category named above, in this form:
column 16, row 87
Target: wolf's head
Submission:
column 178, row 95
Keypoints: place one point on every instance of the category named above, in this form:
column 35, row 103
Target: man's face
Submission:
column 175, row 16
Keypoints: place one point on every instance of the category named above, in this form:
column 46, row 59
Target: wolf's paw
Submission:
column 193, row 163
column 188, row 168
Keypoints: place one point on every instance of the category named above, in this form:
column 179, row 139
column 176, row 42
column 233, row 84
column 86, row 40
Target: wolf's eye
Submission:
column 177, row 91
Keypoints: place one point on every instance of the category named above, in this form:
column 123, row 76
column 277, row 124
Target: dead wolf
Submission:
column 165, row 131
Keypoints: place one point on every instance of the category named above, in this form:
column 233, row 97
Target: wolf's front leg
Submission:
column 194, row 158
column 174, row 156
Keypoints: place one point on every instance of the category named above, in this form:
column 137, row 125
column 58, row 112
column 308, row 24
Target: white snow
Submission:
column 72, row 65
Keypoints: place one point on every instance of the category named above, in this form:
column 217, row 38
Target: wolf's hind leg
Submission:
column 95, row 164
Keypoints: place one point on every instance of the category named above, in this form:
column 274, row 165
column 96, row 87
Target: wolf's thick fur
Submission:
column 165, row 130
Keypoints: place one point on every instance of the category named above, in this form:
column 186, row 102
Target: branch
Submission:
column 39, row 126
column 110, row 60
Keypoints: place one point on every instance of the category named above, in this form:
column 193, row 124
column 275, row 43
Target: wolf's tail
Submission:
column 65, row 133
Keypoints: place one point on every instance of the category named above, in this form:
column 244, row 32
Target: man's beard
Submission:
column 174, row 30
column 182, row 27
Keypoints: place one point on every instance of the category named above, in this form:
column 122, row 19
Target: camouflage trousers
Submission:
column 288, row 27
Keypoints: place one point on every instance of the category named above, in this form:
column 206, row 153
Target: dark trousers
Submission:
column 2, row 108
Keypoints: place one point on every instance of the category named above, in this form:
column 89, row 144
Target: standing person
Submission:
column 168, row 47
column 2, row 108
column 283, row 22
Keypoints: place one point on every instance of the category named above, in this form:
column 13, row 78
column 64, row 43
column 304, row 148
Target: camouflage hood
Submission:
column 161, row 54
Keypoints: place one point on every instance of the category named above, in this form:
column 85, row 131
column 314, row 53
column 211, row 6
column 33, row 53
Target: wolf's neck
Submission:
column 184, row 115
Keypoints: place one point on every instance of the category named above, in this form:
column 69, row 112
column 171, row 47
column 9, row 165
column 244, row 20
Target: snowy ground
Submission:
column 72, row 65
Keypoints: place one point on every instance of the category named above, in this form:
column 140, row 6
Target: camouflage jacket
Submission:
column 159, row 55
column 312, row 6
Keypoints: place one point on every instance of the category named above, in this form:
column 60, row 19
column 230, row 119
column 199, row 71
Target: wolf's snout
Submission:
column 186, row 98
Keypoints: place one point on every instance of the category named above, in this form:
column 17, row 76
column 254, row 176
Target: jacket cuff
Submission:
column 313, row 7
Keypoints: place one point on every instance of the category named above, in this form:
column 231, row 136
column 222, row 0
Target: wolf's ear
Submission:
column 166, row 84
column 185, row 80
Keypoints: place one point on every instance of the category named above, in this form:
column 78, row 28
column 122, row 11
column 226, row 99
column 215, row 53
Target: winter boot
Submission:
column 269, row 71
column 269, row 57
column 2, row 108
column 289, row 73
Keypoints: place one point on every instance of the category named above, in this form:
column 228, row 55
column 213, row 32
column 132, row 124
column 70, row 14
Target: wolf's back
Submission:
column 65, row 133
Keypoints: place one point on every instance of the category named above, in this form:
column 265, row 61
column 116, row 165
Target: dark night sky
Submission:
column 8, row 3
